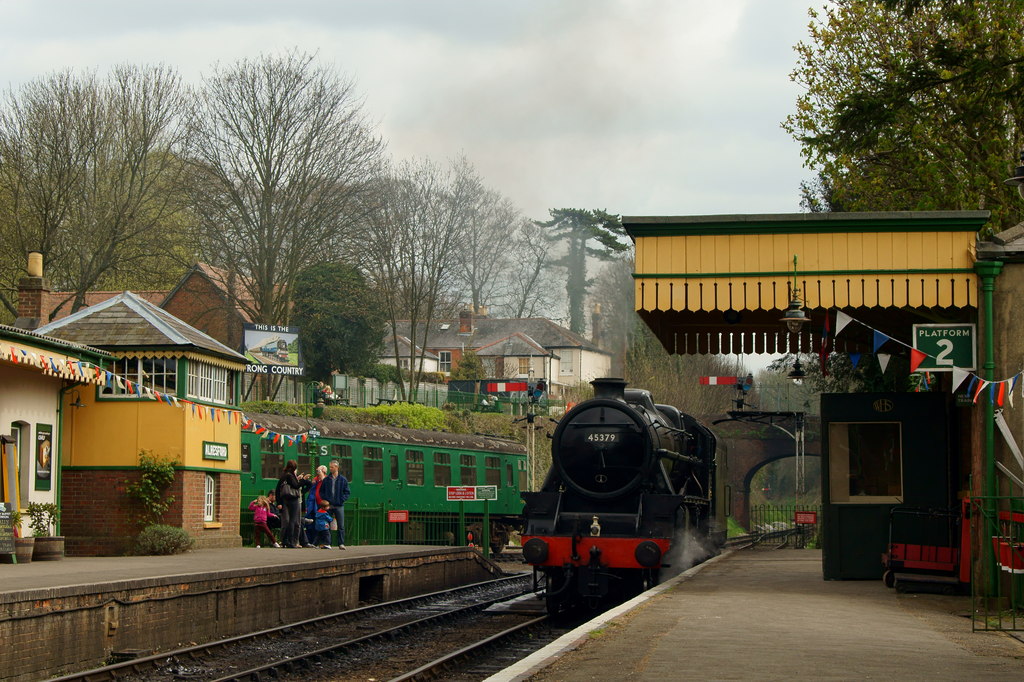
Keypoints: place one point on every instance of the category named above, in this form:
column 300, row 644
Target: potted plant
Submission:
column 42, row 518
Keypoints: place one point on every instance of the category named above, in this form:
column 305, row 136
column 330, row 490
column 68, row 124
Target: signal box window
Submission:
column 343, row 453
column 210, row 499
column 414, row 467
column 492, row 471
column 442, row 469
column 865, row 463
column 373, row 465
column 467, row 474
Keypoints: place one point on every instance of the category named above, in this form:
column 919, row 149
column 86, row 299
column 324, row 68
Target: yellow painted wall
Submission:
column 113, row 432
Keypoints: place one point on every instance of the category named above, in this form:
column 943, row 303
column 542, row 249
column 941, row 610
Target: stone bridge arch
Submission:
column 752, row 446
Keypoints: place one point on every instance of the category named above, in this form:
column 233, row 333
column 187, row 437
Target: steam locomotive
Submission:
column 634, row 487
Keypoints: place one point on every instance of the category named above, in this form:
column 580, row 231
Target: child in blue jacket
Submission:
column 322, row 522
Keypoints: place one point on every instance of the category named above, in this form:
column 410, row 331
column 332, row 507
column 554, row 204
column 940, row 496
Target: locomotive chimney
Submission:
column 609, row 387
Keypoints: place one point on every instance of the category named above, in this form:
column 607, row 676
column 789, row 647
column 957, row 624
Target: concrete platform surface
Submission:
column 769, row 615
column 88, row 571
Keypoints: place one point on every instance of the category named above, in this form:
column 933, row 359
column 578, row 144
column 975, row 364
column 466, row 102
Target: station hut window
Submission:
column 492, row 471
column 467, row 472
column 209, row 383
column 343, row 453
column 210, row 499
column 442, row 469
column 159, row 374
column 373, row 464
column 865, row 463
column 414, row 467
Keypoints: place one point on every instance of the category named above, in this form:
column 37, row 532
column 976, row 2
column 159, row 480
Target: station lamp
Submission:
column 1018, row 177
column 795, row 318
column 797, row 374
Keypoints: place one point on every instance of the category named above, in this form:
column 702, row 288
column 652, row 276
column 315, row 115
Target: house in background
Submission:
column 516, row 346
column 427, row 362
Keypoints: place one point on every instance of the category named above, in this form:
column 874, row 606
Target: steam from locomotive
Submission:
column 631, row 484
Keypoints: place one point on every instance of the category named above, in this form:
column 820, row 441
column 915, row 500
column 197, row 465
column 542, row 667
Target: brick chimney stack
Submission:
column 465, row 322
column 32, row 291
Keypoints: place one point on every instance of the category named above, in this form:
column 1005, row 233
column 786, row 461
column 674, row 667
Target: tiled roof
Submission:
column 517, row 345
column 129, row 321
column 403, row 347
column 17, row 334
column 58, row 303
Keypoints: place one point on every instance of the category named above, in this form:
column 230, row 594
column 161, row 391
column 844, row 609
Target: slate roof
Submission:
column 488, row 330
column 57, row 304
column 403, row 347
column 128, row 321
column 68, row 347
column 517, row 345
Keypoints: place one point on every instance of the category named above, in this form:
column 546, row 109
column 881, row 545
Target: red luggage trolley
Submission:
column 928, row 568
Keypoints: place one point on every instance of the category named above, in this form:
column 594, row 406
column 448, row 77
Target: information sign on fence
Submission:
column 487, row 492
column 398, row 516
column 461, row 493
column 805, row 517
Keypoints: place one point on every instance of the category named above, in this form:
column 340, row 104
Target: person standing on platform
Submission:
column 312, row 503
column 289, row 499
column 322, row 523
column 273, row 520
column 260, row 508
column 335, row 490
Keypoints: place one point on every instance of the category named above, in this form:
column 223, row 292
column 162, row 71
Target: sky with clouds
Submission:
column 639, row 107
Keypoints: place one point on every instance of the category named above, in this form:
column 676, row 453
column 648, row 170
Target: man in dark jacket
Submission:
column 335, row 490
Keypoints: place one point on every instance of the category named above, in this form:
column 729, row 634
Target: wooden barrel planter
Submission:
column 49, row 548
column 23, row 549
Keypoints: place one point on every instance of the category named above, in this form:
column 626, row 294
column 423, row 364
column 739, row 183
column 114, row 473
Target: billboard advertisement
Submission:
column 272, row 349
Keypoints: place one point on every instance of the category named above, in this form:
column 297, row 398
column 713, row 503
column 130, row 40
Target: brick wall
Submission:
column 201, row 304
column 99, row 519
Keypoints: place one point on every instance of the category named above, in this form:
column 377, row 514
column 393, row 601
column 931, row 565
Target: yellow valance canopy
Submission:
column 700, row 277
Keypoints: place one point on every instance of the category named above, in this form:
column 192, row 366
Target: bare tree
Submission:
column 425, row 212
column 89, row 172
column 530, row 286
column 485, row 254
column 284, row 160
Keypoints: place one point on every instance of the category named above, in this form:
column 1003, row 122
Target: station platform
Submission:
column 768, row 615
column 58, row 617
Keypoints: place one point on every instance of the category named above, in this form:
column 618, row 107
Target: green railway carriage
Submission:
column 392, row 469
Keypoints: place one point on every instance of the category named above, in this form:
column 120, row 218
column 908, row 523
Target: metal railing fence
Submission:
column 773, row 524
column 997, row 563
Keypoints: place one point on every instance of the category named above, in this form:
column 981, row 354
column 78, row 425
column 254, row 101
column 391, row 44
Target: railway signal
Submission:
column 742, row 384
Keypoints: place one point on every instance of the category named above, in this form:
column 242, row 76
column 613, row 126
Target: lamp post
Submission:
column 795, row 318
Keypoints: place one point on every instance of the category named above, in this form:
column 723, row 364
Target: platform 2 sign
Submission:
column 398, row 516
column 947, row 346
column 472, row 493
column 805, row 518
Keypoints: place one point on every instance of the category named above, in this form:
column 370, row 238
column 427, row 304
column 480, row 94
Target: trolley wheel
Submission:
column 889, row 579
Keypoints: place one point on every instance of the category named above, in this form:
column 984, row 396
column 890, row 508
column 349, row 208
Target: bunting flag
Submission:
column 883, row 360
column 879, row 339
column 981, row 387
column 842, row 319
column 854, row 358
column 959, row 375
column 1009, row 393
column 1002, row 393
column 916, row 358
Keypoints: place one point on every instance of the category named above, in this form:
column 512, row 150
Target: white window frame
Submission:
column 444, row 361
column 142, row 371
column 209, row 383
column 210, row 499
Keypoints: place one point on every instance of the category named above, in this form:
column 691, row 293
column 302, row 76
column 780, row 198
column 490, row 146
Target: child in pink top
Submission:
column 260, row 513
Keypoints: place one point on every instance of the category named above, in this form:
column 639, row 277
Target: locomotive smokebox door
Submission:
column 880, row 450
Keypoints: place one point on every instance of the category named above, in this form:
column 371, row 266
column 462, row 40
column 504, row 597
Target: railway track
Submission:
column 324, row 647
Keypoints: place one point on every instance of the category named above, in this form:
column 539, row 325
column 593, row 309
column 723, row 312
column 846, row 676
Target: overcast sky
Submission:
column 645, row 107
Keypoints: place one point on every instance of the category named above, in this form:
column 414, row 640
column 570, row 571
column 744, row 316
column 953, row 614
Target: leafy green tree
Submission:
column 587, row 234
column 470, row 367
column 913, row 105
column 341, row 319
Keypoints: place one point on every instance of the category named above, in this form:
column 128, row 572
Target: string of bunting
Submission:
column 998, row 391
column 87, row 372
column 261, row 430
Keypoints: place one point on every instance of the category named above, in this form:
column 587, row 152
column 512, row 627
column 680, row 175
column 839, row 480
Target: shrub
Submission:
column 158, row 540
column 156, row 474
column 42, row 517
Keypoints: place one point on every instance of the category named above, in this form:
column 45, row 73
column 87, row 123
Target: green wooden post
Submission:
column 462, row 523
column 988, row 270
column 487, row 529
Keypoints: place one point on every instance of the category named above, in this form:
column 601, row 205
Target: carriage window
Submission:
column 268, row 445
column 467, row 474
column 396, row 470
column 414, row 467
column 492, row 471
column 373, row 465
column 343, row 453
column 305, row 464
column 523, row 480
column 273, row 466
column 442, row 469
column 865, row 463
column 510, row 479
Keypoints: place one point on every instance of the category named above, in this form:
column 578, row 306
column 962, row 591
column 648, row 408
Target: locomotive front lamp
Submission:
column 795, row 318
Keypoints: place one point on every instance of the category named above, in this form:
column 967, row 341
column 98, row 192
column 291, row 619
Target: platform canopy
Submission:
column 720, row 284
